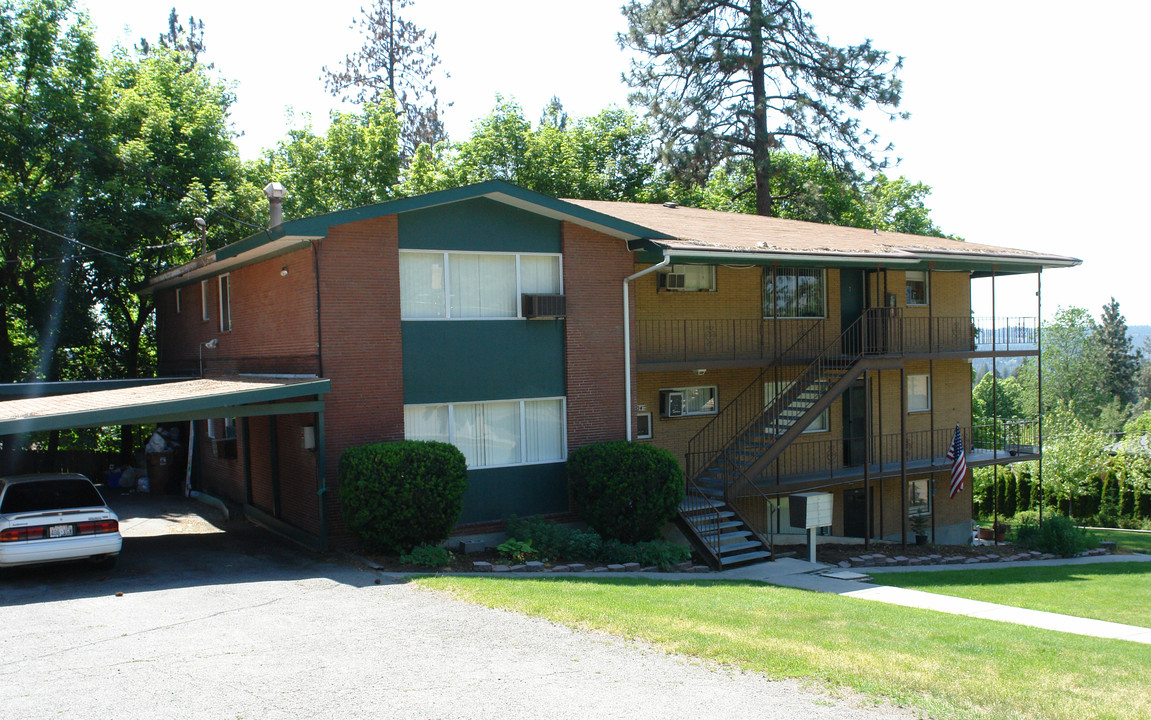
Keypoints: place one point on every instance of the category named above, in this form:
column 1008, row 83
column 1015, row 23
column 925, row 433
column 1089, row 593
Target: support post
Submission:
column 903, row 454
column 1039, row 381
column 867, row 462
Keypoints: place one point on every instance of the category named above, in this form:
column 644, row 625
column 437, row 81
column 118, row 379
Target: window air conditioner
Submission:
column 673, row 404
column 544, row 306
column 673, row 280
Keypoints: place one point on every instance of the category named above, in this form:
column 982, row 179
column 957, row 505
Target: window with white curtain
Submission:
column 450, row 285
column 494, row 434
column 918, row 393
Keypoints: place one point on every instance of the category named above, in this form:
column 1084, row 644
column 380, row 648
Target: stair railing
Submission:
column 701, row 513
column 877, row 331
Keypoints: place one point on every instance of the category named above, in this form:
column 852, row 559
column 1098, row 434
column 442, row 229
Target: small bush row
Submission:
column 1057, row 535
column 549, row 540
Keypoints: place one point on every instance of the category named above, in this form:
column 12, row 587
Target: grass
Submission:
column 1119, row 592
column 1139, row 542
column 946, row 665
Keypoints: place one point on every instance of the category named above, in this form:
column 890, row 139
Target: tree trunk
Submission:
column 761, row 138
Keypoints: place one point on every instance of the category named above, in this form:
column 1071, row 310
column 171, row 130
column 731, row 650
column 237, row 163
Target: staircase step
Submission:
column 737, row 547
column 710, row 526
column 731, row 538
column 757, row 556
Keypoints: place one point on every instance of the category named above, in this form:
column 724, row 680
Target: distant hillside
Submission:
column 1138, row 334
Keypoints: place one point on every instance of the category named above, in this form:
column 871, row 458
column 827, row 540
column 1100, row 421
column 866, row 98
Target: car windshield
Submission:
column 55, row 494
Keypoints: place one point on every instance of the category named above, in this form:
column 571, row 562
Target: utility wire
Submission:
column 62, row 237
column 126, row 163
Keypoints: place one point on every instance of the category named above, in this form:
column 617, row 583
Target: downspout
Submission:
column 627, row 337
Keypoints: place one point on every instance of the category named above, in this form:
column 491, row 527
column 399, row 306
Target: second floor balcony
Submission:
column 676, row 343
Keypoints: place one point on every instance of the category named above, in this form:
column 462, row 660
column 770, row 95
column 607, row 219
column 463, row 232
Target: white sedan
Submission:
column 52, row 517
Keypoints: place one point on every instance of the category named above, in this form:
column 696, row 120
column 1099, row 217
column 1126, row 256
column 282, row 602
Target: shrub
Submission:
column 1058, row 535
column 517, row 550
column 398, row 495
column 625, row 491
column 556, row 541
column 431, row 556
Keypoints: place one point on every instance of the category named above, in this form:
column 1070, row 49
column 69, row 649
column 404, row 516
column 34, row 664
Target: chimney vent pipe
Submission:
column 275, row 193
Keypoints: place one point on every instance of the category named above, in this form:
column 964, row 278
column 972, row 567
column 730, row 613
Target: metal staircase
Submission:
column 728, row 454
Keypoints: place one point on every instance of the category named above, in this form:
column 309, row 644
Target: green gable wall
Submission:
column 478, row 225
column 466, row 361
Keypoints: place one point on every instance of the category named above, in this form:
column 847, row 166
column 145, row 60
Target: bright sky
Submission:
column 1027, row 119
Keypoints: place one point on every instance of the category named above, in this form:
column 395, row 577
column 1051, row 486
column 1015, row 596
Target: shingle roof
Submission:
column 694, row 228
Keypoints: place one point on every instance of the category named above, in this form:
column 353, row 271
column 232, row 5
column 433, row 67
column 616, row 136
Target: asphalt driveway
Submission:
column 205, row 619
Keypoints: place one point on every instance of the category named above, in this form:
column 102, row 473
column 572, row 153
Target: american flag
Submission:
column 958, row 462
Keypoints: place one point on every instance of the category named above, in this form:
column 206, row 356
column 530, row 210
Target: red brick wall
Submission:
column 273, row 321
column 360, row 296
column 594, row 267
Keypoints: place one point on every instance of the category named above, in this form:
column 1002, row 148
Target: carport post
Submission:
column 322, row 479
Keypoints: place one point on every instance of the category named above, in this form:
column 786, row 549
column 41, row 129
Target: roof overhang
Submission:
column 179, row 400
column 296, row 234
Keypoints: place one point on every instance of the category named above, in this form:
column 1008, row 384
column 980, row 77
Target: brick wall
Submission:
column 360, row 297
column 594, row 268
column 273, row 321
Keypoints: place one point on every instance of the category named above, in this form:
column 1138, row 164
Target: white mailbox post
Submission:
column 811, row 511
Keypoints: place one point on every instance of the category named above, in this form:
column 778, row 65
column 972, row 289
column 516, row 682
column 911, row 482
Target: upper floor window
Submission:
column 179, row 309
column 688, row 278
column 225, row 303
column 205, row 309
column 916, row 287
column 918, row 393
column 451, row 285
column 794, row 293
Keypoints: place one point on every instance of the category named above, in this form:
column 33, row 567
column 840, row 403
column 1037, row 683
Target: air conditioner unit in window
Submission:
column 673, row 280
column 544, row 306
column 673, row 403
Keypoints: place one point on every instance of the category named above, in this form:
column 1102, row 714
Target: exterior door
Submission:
column 855, row 512
column 850, row 307
column 855, row 424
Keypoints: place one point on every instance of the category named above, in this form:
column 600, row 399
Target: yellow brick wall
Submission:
column 952, row 516
column 950, row 396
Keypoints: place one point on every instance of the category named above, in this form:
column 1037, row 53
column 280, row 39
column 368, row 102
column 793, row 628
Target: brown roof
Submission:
column 713, row 230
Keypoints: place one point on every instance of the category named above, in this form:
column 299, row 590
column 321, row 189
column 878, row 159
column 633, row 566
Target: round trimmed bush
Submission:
column 398, row 495
column 625, row 491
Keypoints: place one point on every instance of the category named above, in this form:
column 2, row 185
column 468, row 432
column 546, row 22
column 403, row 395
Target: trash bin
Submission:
column 160, row 473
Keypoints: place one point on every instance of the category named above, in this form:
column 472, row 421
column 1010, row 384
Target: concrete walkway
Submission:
column 807, row 576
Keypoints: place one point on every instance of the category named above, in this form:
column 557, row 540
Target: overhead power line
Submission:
column 62, row 237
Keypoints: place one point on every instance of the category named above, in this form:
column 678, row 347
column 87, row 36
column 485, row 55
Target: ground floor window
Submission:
column 822, row 422
column 678, row 402
column 494, row 433
column 919, row 497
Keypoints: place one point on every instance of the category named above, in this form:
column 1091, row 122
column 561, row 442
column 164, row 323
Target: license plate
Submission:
column 57, row 531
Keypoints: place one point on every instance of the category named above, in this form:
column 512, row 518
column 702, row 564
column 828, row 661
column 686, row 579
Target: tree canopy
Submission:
column 723, row 79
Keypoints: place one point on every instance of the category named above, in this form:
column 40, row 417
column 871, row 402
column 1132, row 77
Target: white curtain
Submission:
column 540, row 274
column 422, row 285
column 426, row 422
column 488, row 433
column 483, row 286
column 544, row 428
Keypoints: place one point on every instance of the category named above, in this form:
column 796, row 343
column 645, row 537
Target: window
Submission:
column 918, row 393
column 441, row 285
column 225, row 303
column 678, row 402
column 794, row 293
column 494, row 434
column 643, row 426
column 919, row 497
column 178, row 307
column 227, row 432
column 204, row 314
column 688, row 278
column 822, row 422
column 916, row 287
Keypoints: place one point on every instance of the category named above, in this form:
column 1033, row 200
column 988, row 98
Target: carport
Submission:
column 42, row 407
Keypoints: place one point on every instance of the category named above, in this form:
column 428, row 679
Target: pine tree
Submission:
column 723, row 79
column 1120, row 358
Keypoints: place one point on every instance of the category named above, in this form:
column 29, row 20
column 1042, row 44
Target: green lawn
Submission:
column 1139, row 542
column 947, row 665
column 1119, row 592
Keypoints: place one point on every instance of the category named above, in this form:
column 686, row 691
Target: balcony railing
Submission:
column 685, row 341
column 836, row 460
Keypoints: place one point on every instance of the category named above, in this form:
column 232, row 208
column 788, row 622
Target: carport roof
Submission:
column 181, row 400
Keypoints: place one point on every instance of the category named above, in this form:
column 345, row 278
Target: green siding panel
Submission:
column 478, row 225
column 496, row 493
column 474, row 360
